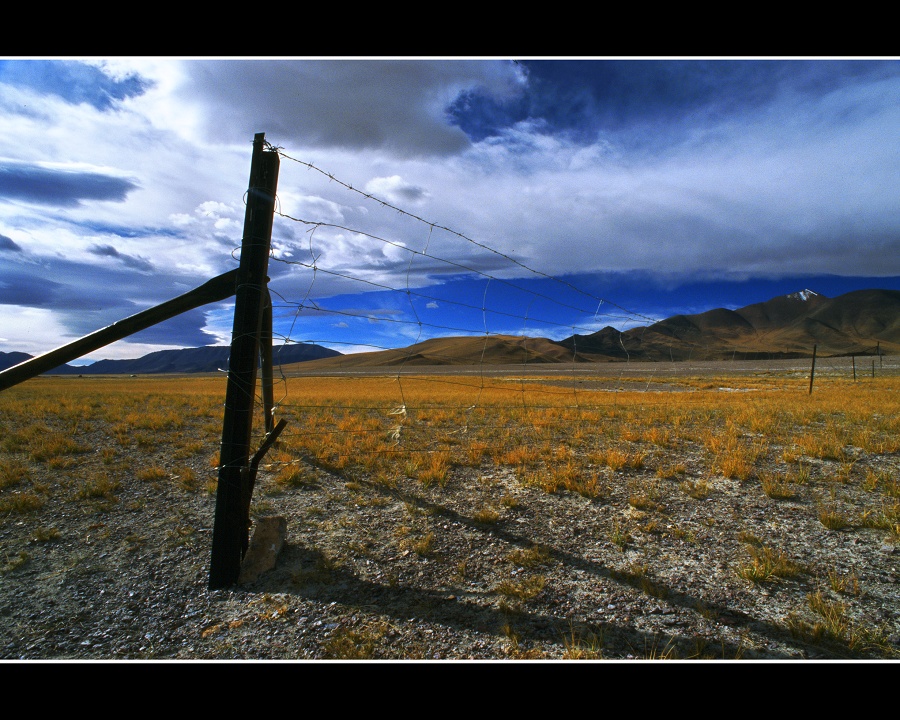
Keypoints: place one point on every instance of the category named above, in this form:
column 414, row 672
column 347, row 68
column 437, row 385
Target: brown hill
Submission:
column 863, row 322
column 492, row 350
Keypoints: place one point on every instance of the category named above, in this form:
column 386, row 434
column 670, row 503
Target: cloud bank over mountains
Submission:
column 122, row 182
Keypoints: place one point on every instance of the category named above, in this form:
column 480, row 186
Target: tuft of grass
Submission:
column 54, row 446
column 803, row 474
column 885, row 518
column 321, row 572
column 12, row 472
column 776, row 486
column 434, row 468
column 509, row 501
column 348, row 644
column 668, row 651
column 583, row 644
column 101, row 487
column 620, row 536
column 45, row 534
column 667, row 472
column 524, row 589
column 686, row 535
column 615, row 459
column 833, row 518
column 486, row 516
column 515, row 651
column 134, row 542
column 530, row 557
column 20, row 503
column 180, row 536
column 187, row 479
column 423, row 546
column 646, row 498
column 834, row 628
column 152, row 473
column 768, row 565
column 697, row 489
column 462, row 568
column 846, row 584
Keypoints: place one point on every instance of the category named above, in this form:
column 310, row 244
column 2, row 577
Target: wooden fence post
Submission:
column 230, row 529
column 265, row 357
column 812, row 372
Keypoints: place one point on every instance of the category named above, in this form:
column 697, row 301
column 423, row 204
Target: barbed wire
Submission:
column 314, row 265
column 535, row 394
column 461, row 236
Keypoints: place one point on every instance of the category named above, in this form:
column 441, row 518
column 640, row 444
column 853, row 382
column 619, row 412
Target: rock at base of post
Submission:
column 262, row 553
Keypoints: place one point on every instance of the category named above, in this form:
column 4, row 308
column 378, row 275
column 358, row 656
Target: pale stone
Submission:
column 262, row 553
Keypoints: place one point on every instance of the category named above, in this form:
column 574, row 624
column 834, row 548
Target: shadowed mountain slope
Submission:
column 863, row 323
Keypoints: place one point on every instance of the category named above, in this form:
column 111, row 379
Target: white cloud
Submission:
column 27, row 330
column 791, row 185
column 394, row 189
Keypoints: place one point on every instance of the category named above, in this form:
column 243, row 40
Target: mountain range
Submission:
column 863, row 322
column 190, row 360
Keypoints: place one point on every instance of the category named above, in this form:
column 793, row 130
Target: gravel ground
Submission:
column 481, row 567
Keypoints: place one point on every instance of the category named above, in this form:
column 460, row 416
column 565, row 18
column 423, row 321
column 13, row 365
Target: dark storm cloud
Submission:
column 87, row 298
column 18, row 287
column 7, row 243
column 131, row 261
column 130, row 231
column 584, row 97
column 66, row 188
column 183, row 330
column 393, row 105
column 74, row 82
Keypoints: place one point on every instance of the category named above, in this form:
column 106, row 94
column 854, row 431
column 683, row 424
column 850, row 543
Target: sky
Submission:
column 426, row 196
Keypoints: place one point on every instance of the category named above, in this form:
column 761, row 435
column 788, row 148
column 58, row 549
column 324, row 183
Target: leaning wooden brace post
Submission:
column 219, row 288
column 230, row 530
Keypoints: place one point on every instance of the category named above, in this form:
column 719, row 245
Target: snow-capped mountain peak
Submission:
column 803, row 295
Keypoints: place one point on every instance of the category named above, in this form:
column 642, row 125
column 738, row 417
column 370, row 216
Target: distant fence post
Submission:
column 853, row 357
column 230, row 529
column 812, row 372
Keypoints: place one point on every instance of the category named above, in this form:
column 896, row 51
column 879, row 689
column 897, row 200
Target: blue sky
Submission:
column 539, row 196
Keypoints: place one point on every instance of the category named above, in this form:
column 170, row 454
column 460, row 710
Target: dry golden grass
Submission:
column 651, row 450
column 425, row 427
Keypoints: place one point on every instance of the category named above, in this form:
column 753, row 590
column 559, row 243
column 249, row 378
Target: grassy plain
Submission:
column 638, row 444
